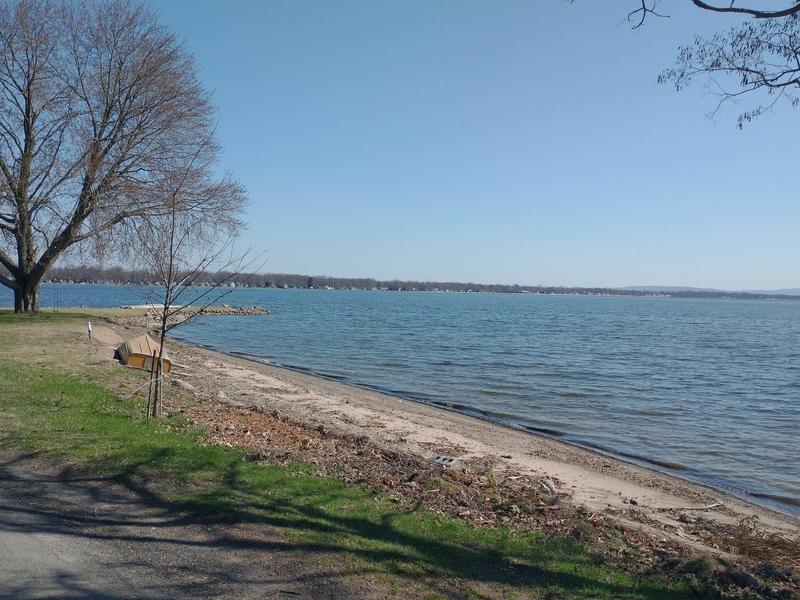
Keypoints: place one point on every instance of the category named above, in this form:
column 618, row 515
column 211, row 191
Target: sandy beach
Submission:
column 597, row 481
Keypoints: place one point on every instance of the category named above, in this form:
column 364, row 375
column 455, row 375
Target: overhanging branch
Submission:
column 758, row 14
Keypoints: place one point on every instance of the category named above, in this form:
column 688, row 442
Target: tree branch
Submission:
column 758, row 14
column 6, row 261
column 643, row 11
column 9, row 283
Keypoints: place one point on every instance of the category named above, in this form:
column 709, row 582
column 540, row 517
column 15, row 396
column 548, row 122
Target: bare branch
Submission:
column 640, row 14
column 758, row 58
column 757, row 13
column 8, row 282
column 6, row 261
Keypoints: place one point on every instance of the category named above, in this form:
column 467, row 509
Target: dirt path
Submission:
column 68, row 535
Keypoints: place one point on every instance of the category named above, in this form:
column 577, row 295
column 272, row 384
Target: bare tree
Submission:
column 760, row 57
column 98, row 101
column 193, row 233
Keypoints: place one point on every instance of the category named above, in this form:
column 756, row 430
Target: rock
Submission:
column 221, row 395
column 444, row 461
column 741, row 579
column 774, row 573
column 234, row 310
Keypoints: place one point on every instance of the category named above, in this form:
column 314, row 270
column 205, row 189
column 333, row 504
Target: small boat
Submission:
column 138, row 353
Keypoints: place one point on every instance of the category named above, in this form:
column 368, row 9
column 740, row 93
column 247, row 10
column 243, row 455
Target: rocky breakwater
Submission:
column 151, row 319
column 233, row 310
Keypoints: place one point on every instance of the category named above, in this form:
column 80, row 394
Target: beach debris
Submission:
column 546, row 486
column 184, row 385
column 748, row 539
column 707, row 507
column 221, row 395
column 444, row 461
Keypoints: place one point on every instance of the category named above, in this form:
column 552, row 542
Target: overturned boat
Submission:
column 138, row 353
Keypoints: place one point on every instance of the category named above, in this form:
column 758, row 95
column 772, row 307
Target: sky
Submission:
column 495, row 142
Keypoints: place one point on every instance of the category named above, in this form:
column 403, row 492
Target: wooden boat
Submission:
column 138, row 353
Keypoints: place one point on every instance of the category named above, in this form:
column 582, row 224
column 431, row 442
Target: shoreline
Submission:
column 773, row 502
column 425, row 457
column 636, row 497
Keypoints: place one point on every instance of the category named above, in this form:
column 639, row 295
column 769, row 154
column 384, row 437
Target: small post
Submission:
column 89, row 329
column 150, row 388
column 160, row 388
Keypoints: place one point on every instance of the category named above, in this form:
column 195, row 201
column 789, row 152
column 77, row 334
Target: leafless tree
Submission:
column 192, row 233
column 98, row 104
column 759, row 57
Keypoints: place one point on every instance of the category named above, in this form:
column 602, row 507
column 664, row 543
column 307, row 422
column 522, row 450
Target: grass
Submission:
column 68, row 416
column 8, row 317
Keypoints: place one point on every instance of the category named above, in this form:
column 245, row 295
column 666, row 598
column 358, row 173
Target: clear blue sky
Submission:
column 507, row 142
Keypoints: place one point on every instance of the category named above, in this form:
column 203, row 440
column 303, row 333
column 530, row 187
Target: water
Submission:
column 707, row 389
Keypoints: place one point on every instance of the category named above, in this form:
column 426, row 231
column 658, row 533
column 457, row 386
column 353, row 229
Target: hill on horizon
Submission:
column 678, row 288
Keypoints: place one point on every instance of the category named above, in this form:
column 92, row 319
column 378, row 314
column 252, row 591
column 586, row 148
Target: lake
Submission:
column 705, row 389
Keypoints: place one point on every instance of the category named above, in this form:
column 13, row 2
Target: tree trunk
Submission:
column 26, row 298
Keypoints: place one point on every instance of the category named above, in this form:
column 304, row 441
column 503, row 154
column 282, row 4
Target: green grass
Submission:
column 9, row 317
column 67, row 416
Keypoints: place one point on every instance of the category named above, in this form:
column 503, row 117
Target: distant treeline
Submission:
column 95, row 274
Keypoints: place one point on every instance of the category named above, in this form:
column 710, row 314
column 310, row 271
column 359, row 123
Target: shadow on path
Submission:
column 128, row 535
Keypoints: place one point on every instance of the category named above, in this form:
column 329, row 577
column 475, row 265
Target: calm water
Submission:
column 711, row 387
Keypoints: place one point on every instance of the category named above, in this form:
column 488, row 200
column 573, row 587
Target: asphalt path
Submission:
column 71, row 535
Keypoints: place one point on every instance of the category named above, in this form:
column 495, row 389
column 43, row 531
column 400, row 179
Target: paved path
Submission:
column 66, row 535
